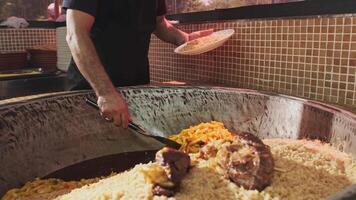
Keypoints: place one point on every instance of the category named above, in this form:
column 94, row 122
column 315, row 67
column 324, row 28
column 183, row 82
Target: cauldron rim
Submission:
column 312, row 103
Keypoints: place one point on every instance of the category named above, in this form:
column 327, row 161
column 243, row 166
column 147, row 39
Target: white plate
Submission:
column 204, row 45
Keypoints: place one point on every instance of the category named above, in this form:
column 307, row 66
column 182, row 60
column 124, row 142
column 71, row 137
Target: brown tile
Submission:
column 324, row 21
column 353, row 46
column 342, row 86
column 337, row 61
column 331, row 29
column 340, row 20
column 353, row 37
column 349, row 95
column 339, row 29
column 347, row 21
column 329, row 54
column 338, row 38
column 346, row 47
column 317, row 29
column 352, row 62
column 344, row 62
column 347, row 29
column 330, row 46
column 334, row 92
column 337, row 54
column 310, row 29
column 310, row 21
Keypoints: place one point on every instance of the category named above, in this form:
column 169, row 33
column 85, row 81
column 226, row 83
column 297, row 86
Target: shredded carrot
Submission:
column 195, row 137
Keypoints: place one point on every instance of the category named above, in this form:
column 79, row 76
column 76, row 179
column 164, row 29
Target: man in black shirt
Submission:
column 109, row 41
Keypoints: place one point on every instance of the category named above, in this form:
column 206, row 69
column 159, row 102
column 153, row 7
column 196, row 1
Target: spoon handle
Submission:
column 92, row 103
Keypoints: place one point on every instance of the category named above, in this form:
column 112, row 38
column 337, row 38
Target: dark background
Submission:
column 37, row 9
column 185, row 6
column 28, row 9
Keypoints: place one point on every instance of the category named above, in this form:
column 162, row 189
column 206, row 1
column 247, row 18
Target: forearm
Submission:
column 168, row 33
column 88, row 63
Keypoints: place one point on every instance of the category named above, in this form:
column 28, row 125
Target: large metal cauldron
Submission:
column 39, row 136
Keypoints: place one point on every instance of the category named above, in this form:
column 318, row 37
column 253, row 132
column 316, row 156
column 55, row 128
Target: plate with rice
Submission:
column 206, row 43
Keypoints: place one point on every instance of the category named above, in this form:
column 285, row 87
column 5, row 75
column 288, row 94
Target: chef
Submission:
column 109, row 42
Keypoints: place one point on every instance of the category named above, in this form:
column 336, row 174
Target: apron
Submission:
column 121, row 35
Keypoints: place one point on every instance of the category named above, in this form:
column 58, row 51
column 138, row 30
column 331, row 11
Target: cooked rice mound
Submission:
column 304, row 170
column 127, row 185
column 309, row 169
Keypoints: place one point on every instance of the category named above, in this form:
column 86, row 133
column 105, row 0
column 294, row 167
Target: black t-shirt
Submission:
column 121, row 35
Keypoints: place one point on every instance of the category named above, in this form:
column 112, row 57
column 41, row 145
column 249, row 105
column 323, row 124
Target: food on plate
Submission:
column 201, row 42
column 217, row 164
column 206, row 43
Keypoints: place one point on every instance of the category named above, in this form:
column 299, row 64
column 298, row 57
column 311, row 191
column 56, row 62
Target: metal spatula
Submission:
column 138, row 129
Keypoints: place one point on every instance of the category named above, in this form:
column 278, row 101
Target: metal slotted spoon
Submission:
column 138, row 129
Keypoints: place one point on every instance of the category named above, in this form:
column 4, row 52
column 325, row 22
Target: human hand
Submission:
column 113, row 107
column 199, row 34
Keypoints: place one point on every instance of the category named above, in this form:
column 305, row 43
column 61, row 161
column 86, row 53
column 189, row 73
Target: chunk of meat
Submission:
column 247, row 161
column 176, row 165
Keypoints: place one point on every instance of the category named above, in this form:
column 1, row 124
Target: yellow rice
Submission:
column 305, row 170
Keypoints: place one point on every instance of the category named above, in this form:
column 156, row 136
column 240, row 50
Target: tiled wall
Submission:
column 313, row 57
column 15, row 40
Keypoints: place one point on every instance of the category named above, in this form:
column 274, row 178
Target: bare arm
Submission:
column 79, row 25
column 168, row 33
column 85, row 56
